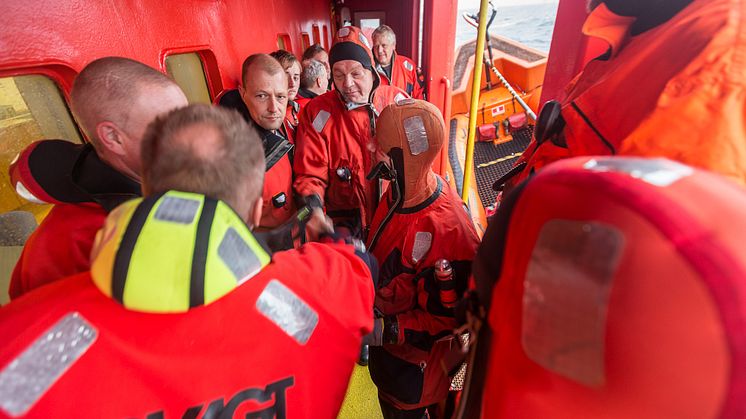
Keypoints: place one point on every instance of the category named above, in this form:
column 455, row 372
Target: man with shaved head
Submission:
column 262, row 100
column 113, row 99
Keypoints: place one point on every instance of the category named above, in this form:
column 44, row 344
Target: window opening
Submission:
column 188, row 72
column 31, row 108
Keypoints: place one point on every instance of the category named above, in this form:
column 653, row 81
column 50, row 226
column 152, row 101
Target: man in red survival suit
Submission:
column 667, row 86
column 262, row 100
column 335, row 144
column 183, row 313
column 113, row 100
column 313, row 81
column 394, row 68
column 424, row 241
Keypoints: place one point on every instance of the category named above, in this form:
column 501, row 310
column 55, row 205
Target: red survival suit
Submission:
column 277, row 193
column 673, row 90
column 414, row 366
column 404, row 75
column 291, row 119
column 236, row 335
column 279, row 204
column 335, row 147
column 615, row 293
column 304, row 96
column 83, row 189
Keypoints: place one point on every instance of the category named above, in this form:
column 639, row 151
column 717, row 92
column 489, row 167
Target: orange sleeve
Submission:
column 341, row 279
column 311, row 164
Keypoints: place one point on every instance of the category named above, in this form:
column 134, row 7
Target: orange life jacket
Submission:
column 676, row 90
column 404, row 75
column 617, row 292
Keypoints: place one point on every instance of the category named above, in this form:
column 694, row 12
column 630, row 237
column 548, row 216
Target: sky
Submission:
column 474, row 4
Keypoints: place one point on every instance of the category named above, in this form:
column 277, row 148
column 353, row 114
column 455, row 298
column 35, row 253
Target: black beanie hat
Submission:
column 350, row 51
column 351, row 44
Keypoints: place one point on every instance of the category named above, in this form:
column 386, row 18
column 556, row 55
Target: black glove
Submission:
column 385, row 331
column 313, row 201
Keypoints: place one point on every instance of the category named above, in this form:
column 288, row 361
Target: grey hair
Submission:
column 384, row 30
column 312, row 71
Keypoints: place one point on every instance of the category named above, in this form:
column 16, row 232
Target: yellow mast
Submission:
column 475, row 89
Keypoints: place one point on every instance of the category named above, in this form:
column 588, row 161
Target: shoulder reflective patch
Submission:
column 566, row 297
column 408, row 66
column 342, row 32
column 35, row 370
column 364, row 40
column 285, row 309
column 27, row 195
column 320, row 121
column 414, row 127
column 177, row 210
column 400, row 99
column 422, row 242
column 238, row 256
column 659, row 172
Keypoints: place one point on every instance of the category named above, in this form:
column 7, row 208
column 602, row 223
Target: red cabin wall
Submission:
column 438, row 56
column 59, row 37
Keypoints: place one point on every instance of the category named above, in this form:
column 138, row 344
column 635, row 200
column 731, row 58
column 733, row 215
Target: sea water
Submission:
column 531, row 25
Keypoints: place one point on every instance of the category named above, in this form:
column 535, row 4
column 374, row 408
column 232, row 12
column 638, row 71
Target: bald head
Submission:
column 257, row 63
column 207, row 150
column 114, row 99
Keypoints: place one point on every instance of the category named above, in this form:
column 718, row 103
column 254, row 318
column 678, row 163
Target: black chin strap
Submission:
column 394, row 175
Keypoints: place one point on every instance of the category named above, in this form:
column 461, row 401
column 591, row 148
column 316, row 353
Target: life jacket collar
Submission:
column 612, row 28
column 172, row 252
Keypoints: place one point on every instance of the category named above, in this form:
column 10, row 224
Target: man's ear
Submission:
column 320, row 82
column 256, row 213
column 110, row 137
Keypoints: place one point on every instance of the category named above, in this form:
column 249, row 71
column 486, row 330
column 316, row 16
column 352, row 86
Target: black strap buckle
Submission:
column 279, row 200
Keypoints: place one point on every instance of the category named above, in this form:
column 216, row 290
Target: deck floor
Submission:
column 491, row 161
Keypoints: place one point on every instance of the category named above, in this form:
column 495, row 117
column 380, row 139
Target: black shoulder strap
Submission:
column 275, row 147
column 486, row 268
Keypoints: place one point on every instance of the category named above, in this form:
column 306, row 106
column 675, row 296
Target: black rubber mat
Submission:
column 493, row 161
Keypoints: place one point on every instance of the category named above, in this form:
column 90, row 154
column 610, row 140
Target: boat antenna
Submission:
column 473, row 19
column 490, row 63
